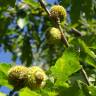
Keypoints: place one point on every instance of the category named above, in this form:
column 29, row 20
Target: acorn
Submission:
column 36, row 77
column 58, row 11
column 53, row 35
column 17, row 76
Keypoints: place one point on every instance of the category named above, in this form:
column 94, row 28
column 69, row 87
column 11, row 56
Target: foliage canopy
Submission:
column 72, row 70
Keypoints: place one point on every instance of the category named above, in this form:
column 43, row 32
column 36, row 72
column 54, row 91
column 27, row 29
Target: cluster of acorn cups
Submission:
column 32, row 77
column 53, row 34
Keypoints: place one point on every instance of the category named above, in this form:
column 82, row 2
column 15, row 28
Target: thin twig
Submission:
column 75, row 31
column 62, row 33
column 85, row 76
column 43, row 6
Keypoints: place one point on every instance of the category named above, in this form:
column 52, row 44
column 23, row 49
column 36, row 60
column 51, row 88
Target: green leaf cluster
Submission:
column 22, row 33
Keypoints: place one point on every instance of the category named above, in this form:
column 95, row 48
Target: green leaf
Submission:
column 66, row 65
column 86, row 49
column 4, row 68
column 8, row 3
column 75, row 10
column 87, row 8
column 92, row 90
column 31, row 3
column 28, row 92
column 2, row 94
column 84, row 88
column 74, row 90
column 65, row 2
column 52, row 93
column 48, row 92
column 90, row 57
column 3, row 74
column 22, row 22
column 4, row 82
column 91, row 61
column 27, row 54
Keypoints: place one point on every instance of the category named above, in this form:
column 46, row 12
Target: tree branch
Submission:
column 64, row 38
column 58, row 23
column 43, row 6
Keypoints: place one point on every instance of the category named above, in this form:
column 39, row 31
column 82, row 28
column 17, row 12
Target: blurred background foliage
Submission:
column 23, row 24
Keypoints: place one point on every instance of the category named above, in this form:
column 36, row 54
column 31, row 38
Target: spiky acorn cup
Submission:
column 17, row 76
column 53, row 35
column 58, row 11
column 36, row 77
